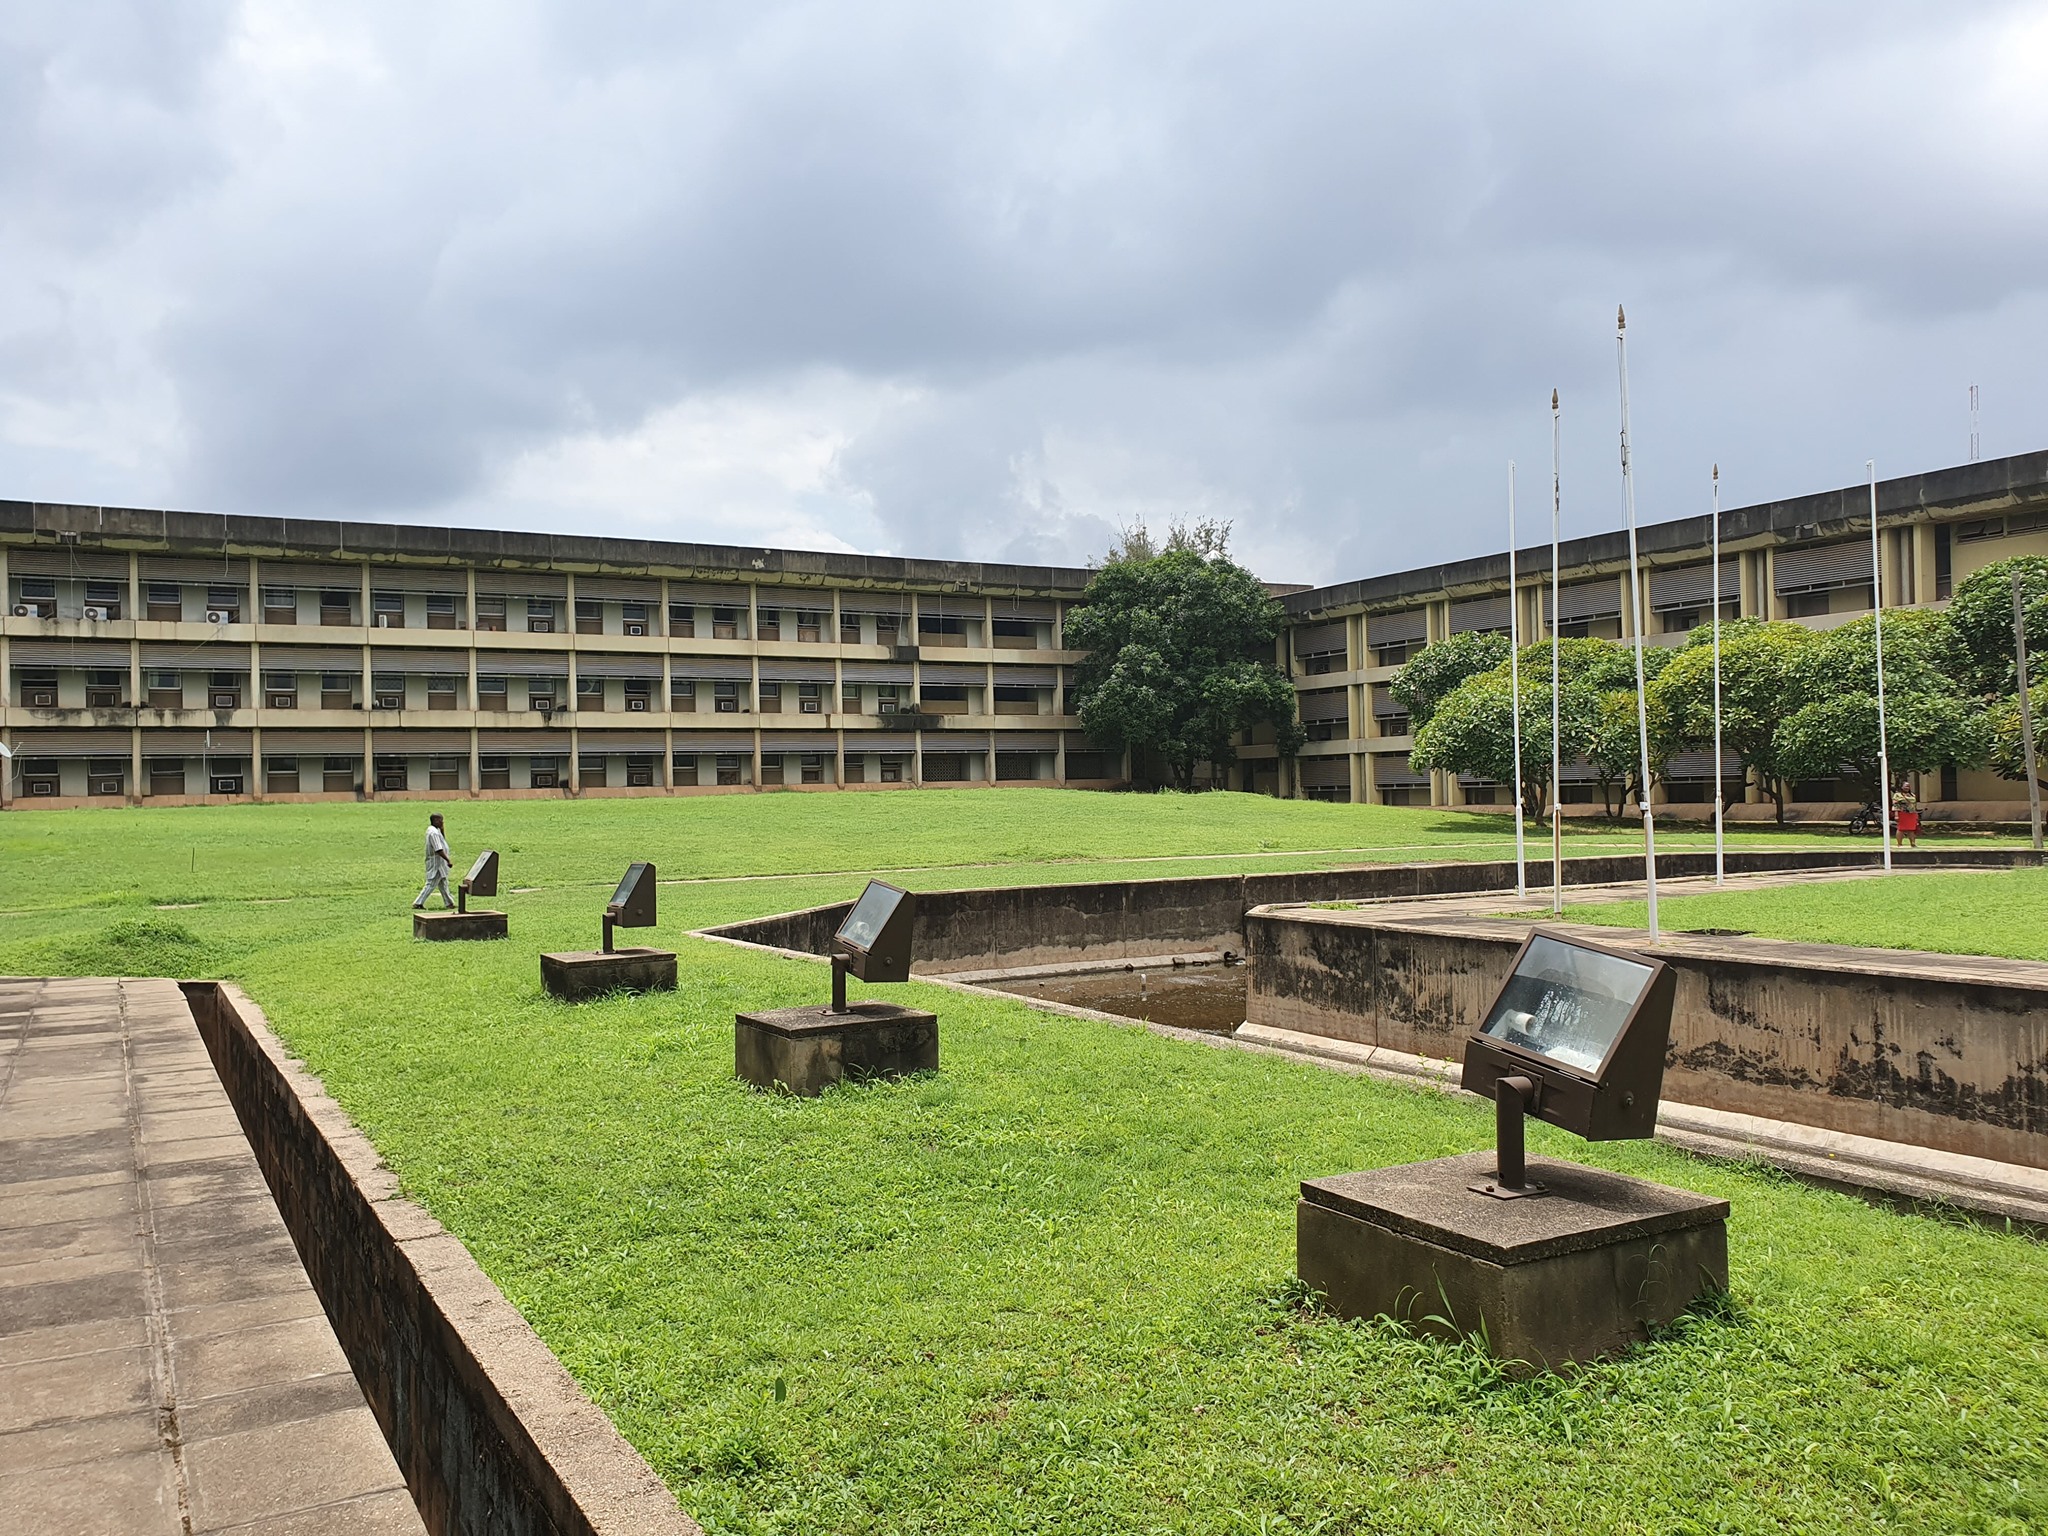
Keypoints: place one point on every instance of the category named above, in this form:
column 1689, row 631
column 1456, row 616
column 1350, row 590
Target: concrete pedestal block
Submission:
column 459, row 925
column 1568, row 1276
column 591, row 973
column 803, row 1050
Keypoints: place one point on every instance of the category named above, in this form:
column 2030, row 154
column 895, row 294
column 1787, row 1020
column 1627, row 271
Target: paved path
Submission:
column 164, row 1363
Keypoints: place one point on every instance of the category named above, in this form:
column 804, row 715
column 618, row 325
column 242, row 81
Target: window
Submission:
column 1396, row 654
column 633, row 618
column 771, row 767
column 731, row 768
column 540, row 695
column 892, row 770
column 540, row 617
column 544, row 773
column 490, row 611
column 590, row 694
column 849, row 629
column 725, row 623
column 810, row 625
column 387, row 610
column 167, row 776
column 590, row 770
column 41, row 776
column 811, row 768
column 338, row 776
column 1016, row 634
column 167, row 691
column 336, row 605
column 639, row 773
column 166, row 604
column 106, row 776
column 281, row 690
column 887, row 700
column 280, row 775
column 337, row 690
column 856, row 768
column 1014, row 700
column 725, row 698
column 38, row 690
column 107, row 596
column 103, row 689
column 810, row 698
column 441, row 692
column 944, row 768
column 771, row 698
column 393, row 775
column 493, row 693
column 224, row 690
column 1806, row 605
column 943, row 698
column 444, row 772
column 281, row 606
column 888, row 627
column 682, row 620
column 770, row 620
column 849, row 698
column 941, row 629
column 1016, row 765
column 589, row 617
column 441, row 610
column 387, row 690
column 682, row 695
column 639, row 694
column 39, row 595
column 225, row 600
column 494, row 772
column 683, row 768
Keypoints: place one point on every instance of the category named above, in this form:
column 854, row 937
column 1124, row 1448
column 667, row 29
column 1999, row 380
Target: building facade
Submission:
column 1807, row 560
column 170, row 658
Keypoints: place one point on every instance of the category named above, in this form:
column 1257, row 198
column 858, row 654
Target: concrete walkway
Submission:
column 164, row 1363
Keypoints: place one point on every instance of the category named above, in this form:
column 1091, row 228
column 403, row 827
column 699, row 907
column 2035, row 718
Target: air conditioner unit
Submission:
column 636, row 629
column 110, row 786
column 40, row 786
column 216, row 616
column 639, row 778
column 223, row 701
column 383, row 621
column 23, row 611
column 390, row 701
column 97, row 614
column 284, row 701
column 225, row 784
column 540, row 626
column 810, row 706
column 391, row 778
column 39, row 698
column 636, row 702
column 546, row 781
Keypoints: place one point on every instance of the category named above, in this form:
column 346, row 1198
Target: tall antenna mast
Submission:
column 1515, row 688
column 1974, row 441
column 1635, row 613
column 1556, row 742
column 1884, row 761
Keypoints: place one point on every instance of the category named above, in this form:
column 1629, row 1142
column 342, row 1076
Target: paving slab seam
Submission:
column 163, row 1373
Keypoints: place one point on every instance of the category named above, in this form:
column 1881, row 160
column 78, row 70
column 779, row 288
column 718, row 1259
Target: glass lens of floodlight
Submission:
column 864, row 923
column 1567, row 1003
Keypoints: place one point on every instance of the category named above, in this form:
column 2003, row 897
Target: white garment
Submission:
column 438, row 863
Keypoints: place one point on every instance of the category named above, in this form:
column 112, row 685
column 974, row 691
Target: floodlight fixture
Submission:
column 482, row 879
column 874, row 941
column 632, row 904
column 1577, row 1037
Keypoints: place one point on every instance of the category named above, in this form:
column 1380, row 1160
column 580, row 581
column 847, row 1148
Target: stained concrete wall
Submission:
column 1943, row 1051
column 1123, row 919
column 492, row 1434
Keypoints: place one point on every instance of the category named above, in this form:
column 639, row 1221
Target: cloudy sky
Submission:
column 992, row 280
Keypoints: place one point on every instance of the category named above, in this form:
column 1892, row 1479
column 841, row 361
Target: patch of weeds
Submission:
column 148, row 946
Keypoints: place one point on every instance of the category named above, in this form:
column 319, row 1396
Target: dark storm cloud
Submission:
column 993, row 281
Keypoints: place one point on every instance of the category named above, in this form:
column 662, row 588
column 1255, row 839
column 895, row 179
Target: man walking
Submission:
column 438, row 865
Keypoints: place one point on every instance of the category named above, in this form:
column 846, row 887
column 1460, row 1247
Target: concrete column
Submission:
column 1922, row 535
column 369, row 696
column 469, row 624
column 7, row 768
column 838, row 696
column 1767, row 583
column 575, row 757
column 256, row 679
column 134, row 611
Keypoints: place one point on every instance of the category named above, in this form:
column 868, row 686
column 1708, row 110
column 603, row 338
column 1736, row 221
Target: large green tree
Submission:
column 1436, row 671
column 1765, row 676
column 1981, row 613
column 1179, row 645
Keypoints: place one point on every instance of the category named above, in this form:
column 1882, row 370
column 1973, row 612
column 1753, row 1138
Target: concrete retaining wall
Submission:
column 1944, row 1051
column 492, row 1434
column 1046, row 924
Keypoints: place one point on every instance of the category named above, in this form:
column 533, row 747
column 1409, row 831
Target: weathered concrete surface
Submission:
column 1024, row 925
column 580, row 975
column 1941, row 1051
column 476, row 924
column 805, row 1050
column 164, row 1363
column 1565, row 1277
column 493, row 1435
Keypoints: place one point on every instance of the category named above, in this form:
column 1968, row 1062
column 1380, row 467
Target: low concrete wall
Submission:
column 1106, row 920
column 492, row 1434
column 1945, row 1051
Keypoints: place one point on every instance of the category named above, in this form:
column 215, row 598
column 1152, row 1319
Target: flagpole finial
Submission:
column 1553, row 399
column 1620, row 318
column 1717, row 474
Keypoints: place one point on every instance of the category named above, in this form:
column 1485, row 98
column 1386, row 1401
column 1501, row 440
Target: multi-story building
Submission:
column 176, row 657
column 171, row 657
column 1807, row 560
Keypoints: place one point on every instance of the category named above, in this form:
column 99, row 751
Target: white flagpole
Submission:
column 1515, row 688
column 1556, row 739
column 1720, row 872
column 1635, row 610
column 1884, row 761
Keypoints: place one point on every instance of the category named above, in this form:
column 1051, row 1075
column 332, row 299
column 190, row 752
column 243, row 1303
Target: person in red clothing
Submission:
column 1906, row 813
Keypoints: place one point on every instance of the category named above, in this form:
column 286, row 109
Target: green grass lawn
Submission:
column 1992, row 912
column 1049, row 1288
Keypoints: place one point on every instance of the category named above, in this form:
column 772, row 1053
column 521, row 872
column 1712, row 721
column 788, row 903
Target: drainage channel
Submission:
column 1206, row 995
